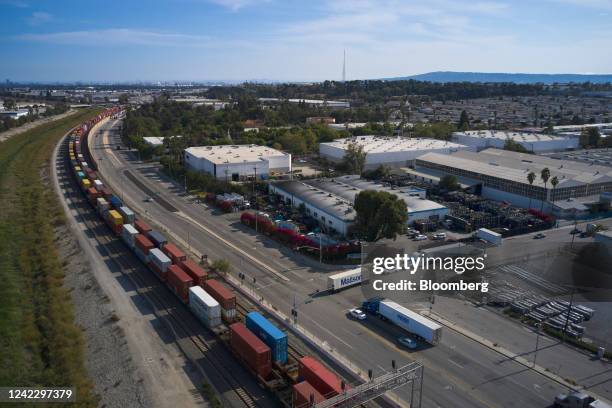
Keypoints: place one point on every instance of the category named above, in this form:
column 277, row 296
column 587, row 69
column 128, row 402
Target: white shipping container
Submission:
column 127, row 214
column 159, row 259
column 344, row 279
column 228, row 314
column 205, row 307
column 84, row 165
column 410, row 321
column 128, row 233
column 98, row 185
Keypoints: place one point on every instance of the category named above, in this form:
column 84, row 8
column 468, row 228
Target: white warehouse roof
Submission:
column 504, row 135
column 383, row 144
column 234, row 153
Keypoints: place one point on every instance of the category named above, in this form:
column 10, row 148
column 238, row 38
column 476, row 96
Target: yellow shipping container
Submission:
column 77, row 168
column 115, row 217
column 86, row 183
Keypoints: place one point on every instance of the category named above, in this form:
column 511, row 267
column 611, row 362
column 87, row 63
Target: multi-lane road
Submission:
column 458, row 373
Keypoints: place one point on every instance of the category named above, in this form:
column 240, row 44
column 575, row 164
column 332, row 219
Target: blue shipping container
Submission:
column 269, row 334
column 158, row 239
column 115, row 202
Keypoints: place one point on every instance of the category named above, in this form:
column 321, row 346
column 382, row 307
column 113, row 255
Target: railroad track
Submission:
column 147, row 285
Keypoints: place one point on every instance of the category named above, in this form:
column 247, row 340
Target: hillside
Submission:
column 450, row 76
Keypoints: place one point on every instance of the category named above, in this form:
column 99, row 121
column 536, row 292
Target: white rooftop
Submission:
column 382, row 144
column 234, row 153
column 504, row 135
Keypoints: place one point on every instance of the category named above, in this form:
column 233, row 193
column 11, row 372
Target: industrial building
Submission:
column 502, row 175
column 600, row 157
column 237, row 162
column 389, row 151
column 330, row 201
column 532, row 142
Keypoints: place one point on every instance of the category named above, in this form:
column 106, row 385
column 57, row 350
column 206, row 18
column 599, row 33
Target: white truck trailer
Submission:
column 344, row 280
column 406, row 319
column 489, row 236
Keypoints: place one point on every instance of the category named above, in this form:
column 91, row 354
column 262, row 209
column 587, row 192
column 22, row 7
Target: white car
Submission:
column 408, row 342
column 420, row 237
column 357, row 314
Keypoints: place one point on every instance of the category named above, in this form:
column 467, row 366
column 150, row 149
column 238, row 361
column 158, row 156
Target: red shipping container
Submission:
column 321, row 378
column 225, row 297
column 175, row 254
column 302, row 393
column 192, row 269
column 143, row 243
column 252, row 351
column 142, row 226
column 106, row 192
column 179, row 282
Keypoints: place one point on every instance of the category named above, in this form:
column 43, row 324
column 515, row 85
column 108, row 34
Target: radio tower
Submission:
column 344, row 67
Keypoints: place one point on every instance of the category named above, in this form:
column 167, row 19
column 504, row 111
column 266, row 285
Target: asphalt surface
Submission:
column 458, row 373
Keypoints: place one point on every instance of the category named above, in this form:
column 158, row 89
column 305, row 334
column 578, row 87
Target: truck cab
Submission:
column 573, row 400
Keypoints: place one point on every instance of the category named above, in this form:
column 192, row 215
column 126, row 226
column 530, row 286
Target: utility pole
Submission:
column 535, row 355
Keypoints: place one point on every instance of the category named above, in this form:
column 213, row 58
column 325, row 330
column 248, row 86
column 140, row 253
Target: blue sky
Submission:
column 57, row 40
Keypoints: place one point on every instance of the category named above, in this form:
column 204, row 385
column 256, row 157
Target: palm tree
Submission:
column 553, row 182
column 531, row 178
column 544, row 175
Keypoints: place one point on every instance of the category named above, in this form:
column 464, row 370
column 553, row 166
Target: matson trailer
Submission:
column 406, row 319
column 343, row 280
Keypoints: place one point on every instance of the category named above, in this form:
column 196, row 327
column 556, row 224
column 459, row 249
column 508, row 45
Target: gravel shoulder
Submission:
column 126, row 355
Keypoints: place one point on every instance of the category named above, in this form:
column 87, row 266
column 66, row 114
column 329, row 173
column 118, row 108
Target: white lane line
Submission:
column 455, row 363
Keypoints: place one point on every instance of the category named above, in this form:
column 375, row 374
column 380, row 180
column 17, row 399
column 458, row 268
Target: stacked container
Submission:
column 158, row 239
column 115, row 221
column 252, row 351
column 192, row 269
column 224, row 296
column 269, row 334
column 205, row 307
column 98, row 185
column 322, row 379
column 127, row 214
column 92, row 195
column 159, row 263
column 142, row 246
column 102, row 206
column 302, row 393
column 142, row 226
column 128, row 234
column 115, row 202
column 176, row 255
column 85, row 184
column 179, row 282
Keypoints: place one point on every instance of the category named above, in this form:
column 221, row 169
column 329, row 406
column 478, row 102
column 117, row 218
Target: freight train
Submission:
column 257, row 343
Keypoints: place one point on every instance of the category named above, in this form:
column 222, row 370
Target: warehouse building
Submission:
column 600, row 157
column 330, row 201
column 532, row 142
column 389, row 151
column 502, row 175
column 237, row 162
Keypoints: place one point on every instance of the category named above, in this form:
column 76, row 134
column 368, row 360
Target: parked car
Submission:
column 539, row 236
column 420, row 237
column 408, row 342
column 357, row 314
column 439, row 236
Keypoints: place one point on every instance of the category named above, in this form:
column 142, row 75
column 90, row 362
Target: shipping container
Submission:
column 143, row 243
column 81, row 175
column 175, row 254
column 304, row 395
column 252, row 351
column 142, row 226
column 179, row 282
column 269, row 334
column 115, row 202
column 144, row 257
column 344, row 280
column 98, row 185
column 225, row 297
column 407, row 319
column 107, row 193
column 489, row 236
column 85, row 184
column 319, row 376
column 159, row 263
column 128, row 234
column 115, row 218
column 127, row 214
column 194, row 270
column 158, row 239
column 205, row 307
column 102, row 205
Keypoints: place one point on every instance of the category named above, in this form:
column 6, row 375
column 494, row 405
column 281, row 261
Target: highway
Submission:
column 458, row 373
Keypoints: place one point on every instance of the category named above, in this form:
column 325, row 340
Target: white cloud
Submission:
column 598, row 4
column 118, row 36
column 39, row 17
column 235, row 5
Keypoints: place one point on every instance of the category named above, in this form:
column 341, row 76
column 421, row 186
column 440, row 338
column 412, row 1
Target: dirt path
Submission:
column 24, row 128
column 128, row 359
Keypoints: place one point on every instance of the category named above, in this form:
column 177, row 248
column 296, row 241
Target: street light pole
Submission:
column 538, row 326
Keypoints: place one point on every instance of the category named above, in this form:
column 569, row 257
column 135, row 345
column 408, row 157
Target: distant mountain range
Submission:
column 450, row 76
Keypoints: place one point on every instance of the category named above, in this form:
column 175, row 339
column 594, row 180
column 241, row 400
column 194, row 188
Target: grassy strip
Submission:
column 39, row 342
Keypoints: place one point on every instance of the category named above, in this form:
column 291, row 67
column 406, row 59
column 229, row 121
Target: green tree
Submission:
column 530, row 178
column 380, row 214
column 513, row 146
column 590, row 137
column 544, row 175
column 355, row 158
column 553, row 182
column 449, row 182
column 464, row 121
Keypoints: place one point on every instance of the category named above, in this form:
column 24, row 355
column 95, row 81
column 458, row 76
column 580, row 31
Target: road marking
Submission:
column 455, row 363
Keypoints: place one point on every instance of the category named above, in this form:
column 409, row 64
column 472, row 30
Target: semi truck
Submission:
column 406, row 319
column 489, row 236
column 343, row 280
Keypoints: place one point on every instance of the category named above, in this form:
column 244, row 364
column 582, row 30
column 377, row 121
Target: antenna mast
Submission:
column 344, row 67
